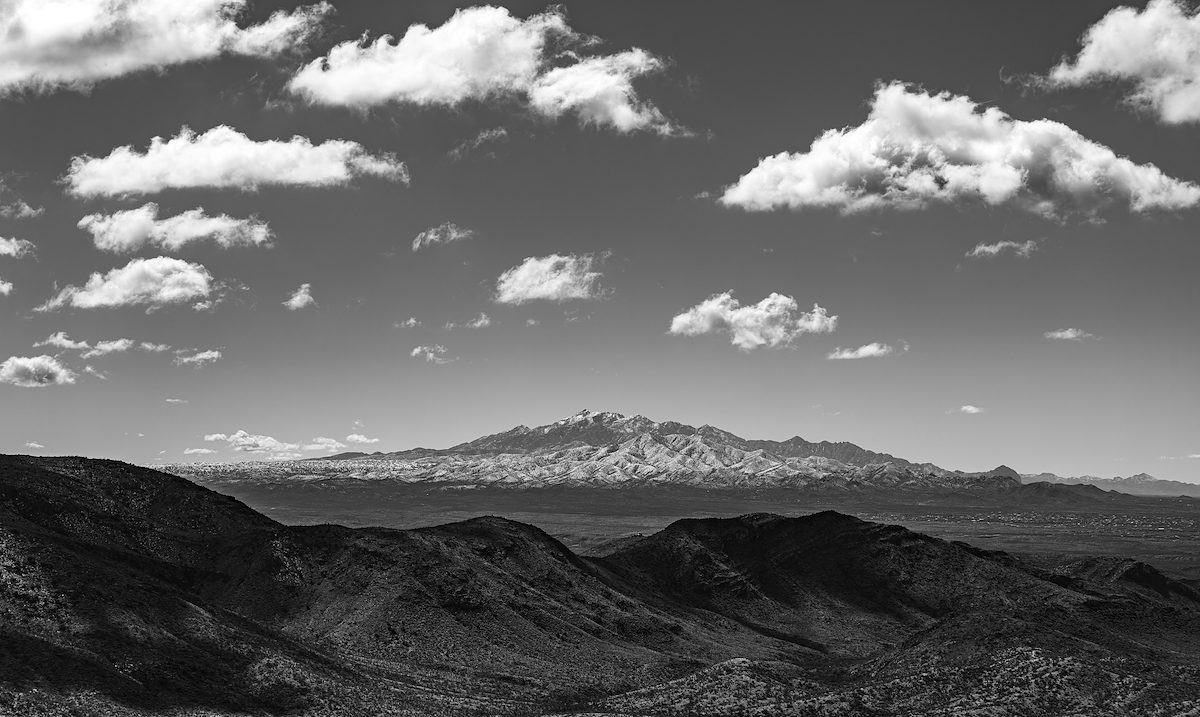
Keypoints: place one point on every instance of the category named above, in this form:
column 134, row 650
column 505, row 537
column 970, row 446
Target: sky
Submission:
column 957, row 233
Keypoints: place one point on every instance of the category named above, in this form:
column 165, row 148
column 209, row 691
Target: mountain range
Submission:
column 609, row 450
column 127, row 591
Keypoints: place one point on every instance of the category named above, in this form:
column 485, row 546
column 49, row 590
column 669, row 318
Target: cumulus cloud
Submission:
column 969, row 409
column 6, row 287
column 441, row 234
column 75, row 43
column 300, row 298
column 223, row 158
column 1155, row 52
column 252, row 443
column 153, row 283
column 20, row 209
column 555, row 277
column 198, row 451
column 871, row 350
column 15, row 247
column 773, row 322
column 410, row 323
column 1069, row 335
column 360, row 439
column 321, row 443
column 35, row 372
column 483, row 53
column 1022, row 249
column 916, row 149
column 431, row 354
column 197, row 359
column 131, row 229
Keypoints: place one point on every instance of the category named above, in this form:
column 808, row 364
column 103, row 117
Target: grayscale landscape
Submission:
column 599, row 358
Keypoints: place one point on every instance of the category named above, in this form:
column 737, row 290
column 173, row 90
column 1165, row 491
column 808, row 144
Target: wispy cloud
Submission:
column 871, row 350
column 1021, row 249
column 1069, row 335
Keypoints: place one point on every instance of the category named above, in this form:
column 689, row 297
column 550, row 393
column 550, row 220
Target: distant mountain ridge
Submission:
column 606, row 449
column 1140, row 484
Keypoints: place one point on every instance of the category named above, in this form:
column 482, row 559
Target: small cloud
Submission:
column 176, row 401
column 1022, row 249
column 103, row 348
column 409, row 323
column 60, row 340
column 35, row 372
column 198, row 451
column 1069, row 335
column 360, row 439
column 871, row 350
column 321, row 443
column 479, row 322
column 486, row 137
column 555, row 277
column 34, row 445
column 970, row 410
column 432, row 354
column 532, row 322
column 93, row 371
column 252, row 443
column 16, row 248
column 129, row 230
column 196, row 359
column 300, row 298
column 773, row 322
column 20, row 209
column 444, row 233
column 6, row 287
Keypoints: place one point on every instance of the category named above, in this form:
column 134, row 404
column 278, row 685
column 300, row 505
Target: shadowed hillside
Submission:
column 128, row 591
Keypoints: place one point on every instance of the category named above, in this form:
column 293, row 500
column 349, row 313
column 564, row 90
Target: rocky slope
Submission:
column 125, row 591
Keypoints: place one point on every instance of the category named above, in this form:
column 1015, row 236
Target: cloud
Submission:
column 60, row 340
column 223, row 158
column 549, row 278
column 20, row 209
column 197, row 359
column 484, row 53
column 198, row 451
column 131, row 229
column 486, row 137
column 177, row 401
column 103, row 348
column 73, row 44
column 252, row 443
column 775, row 321
column 15, row 247
column 409, row 323
column 1022, row 249
column 431, row 354
column 93, row 371
column 155, row 282
column 1154, row 52
column 6, row 287
column 441, row 234
column 970, row 410
column 916, row 149
column 300, row 298
column 1069, row 335
column 34, row 445
column 321, row 443
column 479, row 322
column 35, row 372
column 871, row 350
column 360, row 439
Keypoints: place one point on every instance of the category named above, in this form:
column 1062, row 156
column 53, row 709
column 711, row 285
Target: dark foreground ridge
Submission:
column 126, row 591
